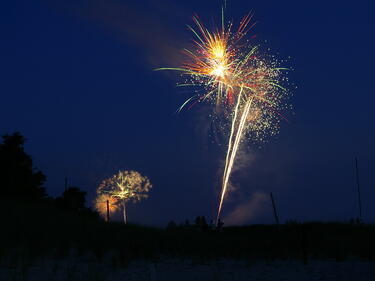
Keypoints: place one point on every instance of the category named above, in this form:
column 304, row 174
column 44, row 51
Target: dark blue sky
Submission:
column 77, row 80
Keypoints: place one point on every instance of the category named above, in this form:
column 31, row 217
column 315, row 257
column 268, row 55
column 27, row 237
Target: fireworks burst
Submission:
column 238, row 80
column 121, row 188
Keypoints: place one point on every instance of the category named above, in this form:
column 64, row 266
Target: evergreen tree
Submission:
column 73, row 199
column 18, row 178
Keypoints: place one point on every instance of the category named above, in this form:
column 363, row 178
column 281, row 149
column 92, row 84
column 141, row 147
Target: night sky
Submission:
column 78, row 81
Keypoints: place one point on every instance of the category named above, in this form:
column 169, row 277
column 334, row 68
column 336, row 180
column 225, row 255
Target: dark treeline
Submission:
column 21, row 183
column 34, row 225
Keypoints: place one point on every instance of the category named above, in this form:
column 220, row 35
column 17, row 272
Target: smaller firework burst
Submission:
column 121, row 188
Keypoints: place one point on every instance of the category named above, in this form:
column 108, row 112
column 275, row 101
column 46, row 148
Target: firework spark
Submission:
column 123, row 187
column 238, row 80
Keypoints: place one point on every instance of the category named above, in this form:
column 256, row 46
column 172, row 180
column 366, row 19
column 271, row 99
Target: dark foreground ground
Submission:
column 42, row 242
column 87, row 268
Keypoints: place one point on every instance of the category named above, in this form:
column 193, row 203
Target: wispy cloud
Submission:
column 248, row 211
column 144, row 29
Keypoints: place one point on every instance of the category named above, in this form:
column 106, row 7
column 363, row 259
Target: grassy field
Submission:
column 32, row 231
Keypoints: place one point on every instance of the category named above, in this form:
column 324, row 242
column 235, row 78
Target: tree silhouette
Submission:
column 72, row 199
column 200, row 222
column 18, row 178
column 171, row 225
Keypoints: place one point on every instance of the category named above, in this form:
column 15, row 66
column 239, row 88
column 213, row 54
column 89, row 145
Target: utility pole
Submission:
column 107, row 210
column 124, row 211
column 274, row 210
column 358, row 190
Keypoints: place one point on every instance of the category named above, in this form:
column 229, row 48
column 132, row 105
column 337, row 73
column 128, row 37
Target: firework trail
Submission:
column 243, row 85
column 232, row 151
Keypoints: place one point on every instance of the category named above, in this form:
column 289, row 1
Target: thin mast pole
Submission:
column 358, row 189
column 274, row 210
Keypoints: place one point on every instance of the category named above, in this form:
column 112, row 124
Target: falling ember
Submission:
column 236, row 77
